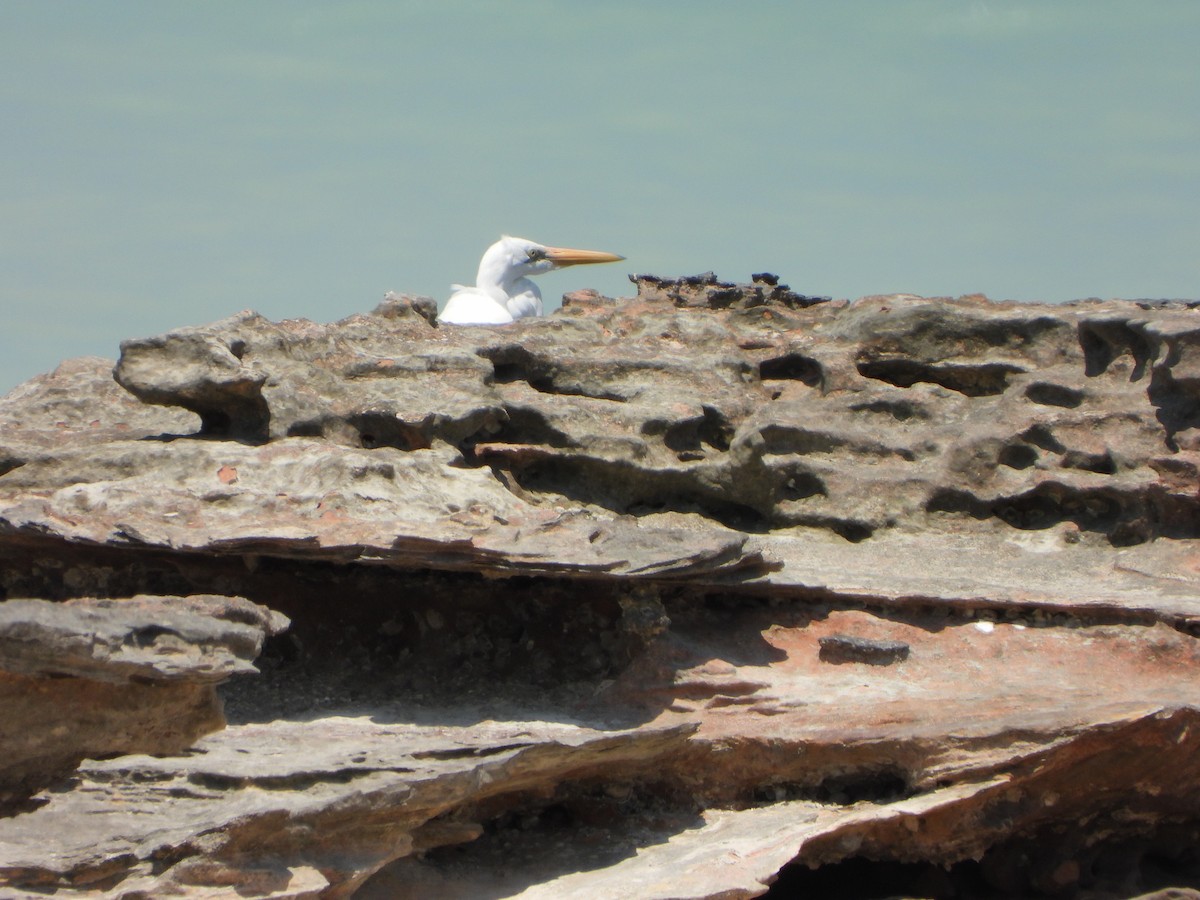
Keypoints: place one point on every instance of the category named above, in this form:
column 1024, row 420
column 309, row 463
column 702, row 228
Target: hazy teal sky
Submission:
column 169, row 163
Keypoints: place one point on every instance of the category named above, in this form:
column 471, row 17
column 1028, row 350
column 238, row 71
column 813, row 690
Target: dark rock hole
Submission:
column 900, row 410
column 984, row 379
column 801, row 486
column 147, row 635
column 1018, row 456
column 529, row 425
column 1048, row 394
column 1104, row 342
column 712, row 428
column 1030, row 512
column 840, row 649
column 792, row 367
column 306, row 429
column 507, row 373
column 874, row 786
column 241, row 417
column 382, row 429
column 854, row 532
column 1043, row 438
column 1100, row 463
column 514, row 363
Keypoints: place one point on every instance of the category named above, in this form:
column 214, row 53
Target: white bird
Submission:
column 503, row 292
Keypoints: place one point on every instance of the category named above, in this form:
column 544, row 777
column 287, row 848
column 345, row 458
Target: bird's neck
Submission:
column 498, row 283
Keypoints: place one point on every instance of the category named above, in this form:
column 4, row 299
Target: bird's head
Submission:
column 511, row 258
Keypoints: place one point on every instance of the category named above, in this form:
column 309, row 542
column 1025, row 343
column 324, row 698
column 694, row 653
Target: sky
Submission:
column 166, row 163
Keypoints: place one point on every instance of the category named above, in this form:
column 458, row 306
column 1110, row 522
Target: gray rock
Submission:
column 78, row 404
column 93, row 677
column 307, row 498
column 889, row 413
column 291, row 808
column 200, row 639
column 562, row 596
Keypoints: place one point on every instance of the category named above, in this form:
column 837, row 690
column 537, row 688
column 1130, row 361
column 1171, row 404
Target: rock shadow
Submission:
column 1103, row 343
column 1176, row 403
column 970, row 379
column 471, row 649
column 626, row 488
column 1124, row 516
column 513, row 362
column 390, row 643
column 1059, row 862
column 499, row 852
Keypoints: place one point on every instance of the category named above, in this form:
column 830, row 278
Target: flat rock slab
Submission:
column 201, row 639
column 245, row 802
column 306, row 498
column 78, row 404
column 1015, row 574
column 958, row 749
column 754, row 753
column 94, row 677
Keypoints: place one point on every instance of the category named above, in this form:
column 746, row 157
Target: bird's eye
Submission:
column 536, row 254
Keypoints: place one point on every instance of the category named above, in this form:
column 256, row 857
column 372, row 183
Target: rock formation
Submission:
column 717, row 591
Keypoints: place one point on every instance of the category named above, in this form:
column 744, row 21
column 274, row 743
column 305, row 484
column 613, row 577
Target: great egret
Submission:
column 503, row 292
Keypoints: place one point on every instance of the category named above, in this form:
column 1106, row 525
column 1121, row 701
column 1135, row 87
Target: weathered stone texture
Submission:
column 680, row 595
column 95, row 677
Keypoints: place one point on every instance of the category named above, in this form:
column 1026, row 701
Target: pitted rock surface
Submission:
column 76, row 405
column 717, row 591
column 894, row 412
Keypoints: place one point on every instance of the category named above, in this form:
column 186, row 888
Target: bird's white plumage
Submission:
column 469, row 306
column 526, row 302
column 503, row 292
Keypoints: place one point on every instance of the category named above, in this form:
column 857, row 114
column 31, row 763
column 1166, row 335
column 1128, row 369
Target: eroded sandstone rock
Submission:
column 149, row 639
column 78, row 404
column 672, row 596
column 888, row 413
column 95, row 677
column 287, row 807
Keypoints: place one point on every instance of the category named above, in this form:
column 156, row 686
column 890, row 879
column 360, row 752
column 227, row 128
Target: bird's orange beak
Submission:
column 564, row 256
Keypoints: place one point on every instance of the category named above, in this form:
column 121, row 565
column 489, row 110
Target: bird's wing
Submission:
column 526, row 303
column 472, row 307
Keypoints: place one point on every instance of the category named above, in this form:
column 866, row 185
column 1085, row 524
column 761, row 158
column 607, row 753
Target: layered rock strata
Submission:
column 90, row 677
column 680, row 595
